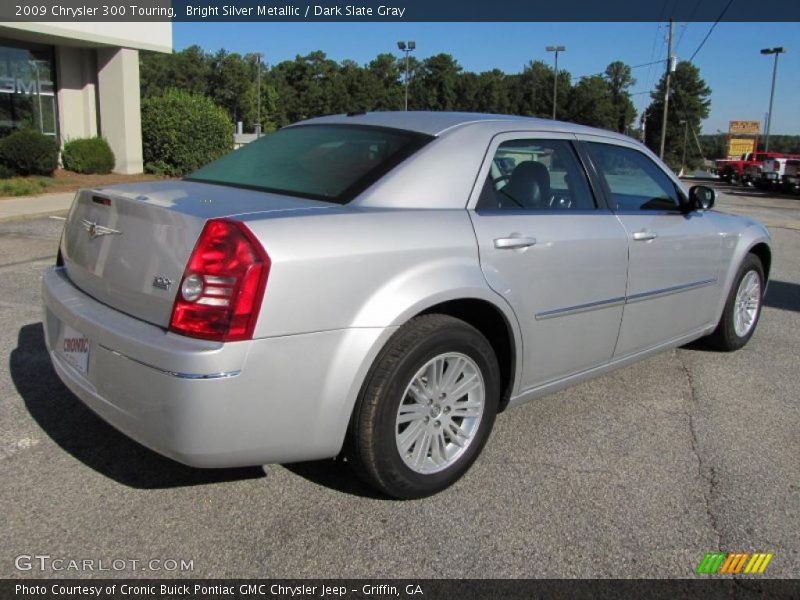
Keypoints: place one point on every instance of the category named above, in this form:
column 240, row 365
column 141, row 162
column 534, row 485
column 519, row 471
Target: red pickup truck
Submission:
column 746, row 169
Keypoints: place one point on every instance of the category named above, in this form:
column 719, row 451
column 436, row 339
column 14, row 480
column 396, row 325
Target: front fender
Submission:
column 737, row 244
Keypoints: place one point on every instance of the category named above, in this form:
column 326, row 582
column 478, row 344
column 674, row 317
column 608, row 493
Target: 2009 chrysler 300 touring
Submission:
column 380, row 285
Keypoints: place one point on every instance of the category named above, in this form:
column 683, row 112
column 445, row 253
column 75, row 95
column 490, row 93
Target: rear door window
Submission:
column 536, row 174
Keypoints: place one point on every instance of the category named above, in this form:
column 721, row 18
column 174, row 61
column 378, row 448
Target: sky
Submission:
column 729, row 61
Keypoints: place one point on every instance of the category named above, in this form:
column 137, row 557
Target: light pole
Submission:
column 407, row 47
column 35, row 64
column 685, row 124
column 555, row 49
column 258, row 94
column 776, row 52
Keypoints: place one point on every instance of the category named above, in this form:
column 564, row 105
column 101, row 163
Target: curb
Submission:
column 36, row 215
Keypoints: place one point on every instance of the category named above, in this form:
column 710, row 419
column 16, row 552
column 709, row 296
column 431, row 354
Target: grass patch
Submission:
column 24, row 186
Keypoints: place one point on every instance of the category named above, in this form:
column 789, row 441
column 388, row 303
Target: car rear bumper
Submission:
column 209, row 404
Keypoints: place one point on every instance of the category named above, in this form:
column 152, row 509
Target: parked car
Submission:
column 378, row 286
column 791, row 176
column 772, row 172
column 747, row 169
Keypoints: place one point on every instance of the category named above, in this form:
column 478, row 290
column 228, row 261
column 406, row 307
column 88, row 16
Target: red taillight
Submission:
column 223, row 285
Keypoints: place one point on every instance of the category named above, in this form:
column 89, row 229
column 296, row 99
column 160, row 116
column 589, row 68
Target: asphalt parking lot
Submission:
column 636, row 474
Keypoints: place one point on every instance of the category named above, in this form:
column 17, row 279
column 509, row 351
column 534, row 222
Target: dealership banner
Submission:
column 396, row 10
column 707, row 588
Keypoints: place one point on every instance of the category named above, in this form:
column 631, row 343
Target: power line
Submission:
column 686, row 25
column 647, row 64
column 719, row 18
column 680, row 37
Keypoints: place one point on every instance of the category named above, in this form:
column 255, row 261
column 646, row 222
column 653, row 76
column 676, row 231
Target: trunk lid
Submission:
column 127, row 246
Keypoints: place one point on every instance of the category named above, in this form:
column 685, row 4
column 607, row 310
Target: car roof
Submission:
column 437, row 123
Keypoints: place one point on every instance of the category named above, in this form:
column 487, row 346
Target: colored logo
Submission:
column 732, row 563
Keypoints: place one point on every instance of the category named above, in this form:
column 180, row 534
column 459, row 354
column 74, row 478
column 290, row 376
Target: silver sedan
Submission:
column 378, row 286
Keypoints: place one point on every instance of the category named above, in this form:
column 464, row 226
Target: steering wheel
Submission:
column 503, row 177
column 559, row 202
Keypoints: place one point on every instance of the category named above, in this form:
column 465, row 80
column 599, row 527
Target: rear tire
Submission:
column 426, row 408
column 742, row 308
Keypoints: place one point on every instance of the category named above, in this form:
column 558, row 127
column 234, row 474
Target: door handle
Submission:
column 511, row 243
column 644, row 236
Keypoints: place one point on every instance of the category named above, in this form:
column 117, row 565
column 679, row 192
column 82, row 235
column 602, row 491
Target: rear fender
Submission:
column 403, row 297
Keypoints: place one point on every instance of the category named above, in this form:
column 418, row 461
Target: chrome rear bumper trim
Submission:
column 224, row 375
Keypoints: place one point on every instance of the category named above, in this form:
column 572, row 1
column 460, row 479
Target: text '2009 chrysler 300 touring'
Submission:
column 380, row 285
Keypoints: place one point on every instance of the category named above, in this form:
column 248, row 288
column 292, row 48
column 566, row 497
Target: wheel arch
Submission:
column 495, row 327
column 497, row 323
column 764, row 254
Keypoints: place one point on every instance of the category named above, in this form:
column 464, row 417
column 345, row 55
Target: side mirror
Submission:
column 702, row 197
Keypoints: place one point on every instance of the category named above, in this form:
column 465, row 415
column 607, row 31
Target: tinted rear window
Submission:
column 323, row 162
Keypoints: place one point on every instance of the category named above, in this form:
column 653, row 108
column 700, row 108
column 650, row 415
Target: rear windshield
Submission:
column 323, row 162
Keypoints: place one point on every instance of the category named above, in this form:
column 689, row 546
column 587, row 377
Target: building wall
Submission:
column 156, row 36
column 97, row 73
column 76, row 71
column 120, row 112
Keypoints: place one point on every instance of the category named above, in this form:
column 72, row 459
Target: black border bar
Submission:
column 399, row 10
column 711, row 588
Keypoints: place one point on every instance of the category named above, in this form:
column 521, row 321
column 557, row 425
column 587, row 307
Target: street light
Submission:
column 407, row 47
column 685, row 124
column 776, row 52
column 35, row 64
column 258, row 94
column 555, row 49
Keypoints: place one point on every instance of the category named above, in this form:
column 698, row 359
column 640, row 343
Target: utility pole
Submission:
column 666, row 91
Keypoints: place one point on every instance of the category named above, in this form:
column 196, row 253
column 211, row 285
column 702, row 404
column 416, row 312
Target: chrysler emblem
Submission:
column 96, row 230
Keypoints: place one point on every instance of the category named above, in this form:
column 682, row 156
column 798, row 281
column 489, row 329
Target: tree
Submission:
column 493, row 94
column 388, row 74
column 232, row 85
column 185, row 70
column 468, row 90
column 308, row 86
column 688, row 105
column 531, row 93
column 435, row 84
column 362, row 87
column 314, row 85
column 619, row 78
column 591, row 103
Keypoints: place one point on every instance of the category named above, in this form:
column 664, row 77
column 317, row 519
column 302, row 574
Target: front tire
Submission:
column 426, row 408
column 742, row 309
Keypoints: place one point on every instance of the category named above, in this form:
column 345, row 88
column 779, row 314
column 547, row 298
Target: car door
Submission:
column 552, row 251
column 673, row 255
